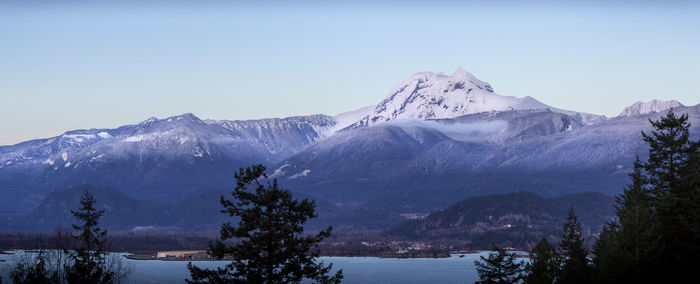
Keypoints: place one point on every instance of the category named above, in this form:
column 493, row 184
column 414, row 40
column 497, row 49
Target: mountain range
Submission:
column 434, row 140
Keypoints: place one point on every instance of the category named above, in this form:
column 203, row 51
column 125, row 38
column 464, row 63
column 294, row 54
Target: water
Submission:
column 454, row 269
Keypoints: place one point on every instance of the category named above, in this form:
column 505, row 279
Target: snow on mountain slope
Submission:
column 275, row 133
column 430, row 127
column 174, row 136
column 158, row 158
column 432, row 96
column 654, row 105
column 406, row 163
column 345, row 119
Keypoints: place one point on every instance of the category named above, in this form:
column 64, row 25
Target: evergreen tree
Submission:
column 575, row 268
column 609, row 264
column 624, row 250
column 638, row 237
column 544, row 264
column 635, row 212
column 657, row 236
column 674, row 176
column 671, row 153
column 499, row 267
column 33, row 270
column 271, row 246
column 89, row 258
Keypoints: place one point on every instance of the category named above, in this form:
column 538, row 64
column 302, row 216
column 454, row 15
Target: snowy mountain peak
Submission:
column 652, row 106
column 185, row 117
column 462, row 76
column 429, row 95
column 460, row 73
column 188, row 115
column 149, row 120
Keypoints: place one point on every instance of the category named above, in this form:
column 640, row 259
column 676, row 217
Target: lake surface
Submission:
column 454, row 269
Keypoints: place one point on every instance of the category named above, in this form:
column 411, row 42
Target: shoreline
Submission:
column 144, row 257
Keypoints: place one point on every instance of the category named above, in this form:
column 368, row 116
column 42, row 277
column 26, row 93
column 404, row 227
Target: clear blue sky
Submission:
column 84, row 65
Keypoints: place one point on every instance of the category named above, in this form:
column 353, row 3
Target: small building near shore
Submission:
column 180, row 254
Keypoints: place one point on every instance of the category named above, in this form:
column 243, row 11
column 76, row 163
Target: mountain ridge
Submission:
column 406, row 164
column 516, row 218
column 429, row 95
column 653, row 106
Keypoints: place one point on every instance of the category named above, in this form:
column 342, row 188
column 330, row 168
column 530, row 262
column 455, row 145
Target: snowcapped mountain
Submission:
column 346, row 119
column 434, row 96
column 154, row 159
column 433, row 140
column 183, row 135
column 652, row 106
column 409, row 166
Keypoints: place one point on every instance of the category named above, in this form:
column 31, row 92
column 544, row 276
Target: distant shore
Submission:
column 385, row 254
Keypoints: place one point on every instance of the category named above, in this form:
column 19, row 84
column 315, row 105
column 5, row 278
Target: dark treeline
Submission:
column 347, row 244
column 546, row 264
column 517, row 219
column 270, row 244
column 657, row 235
column 121, row 242
column 654, row 239
column 79, row 256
